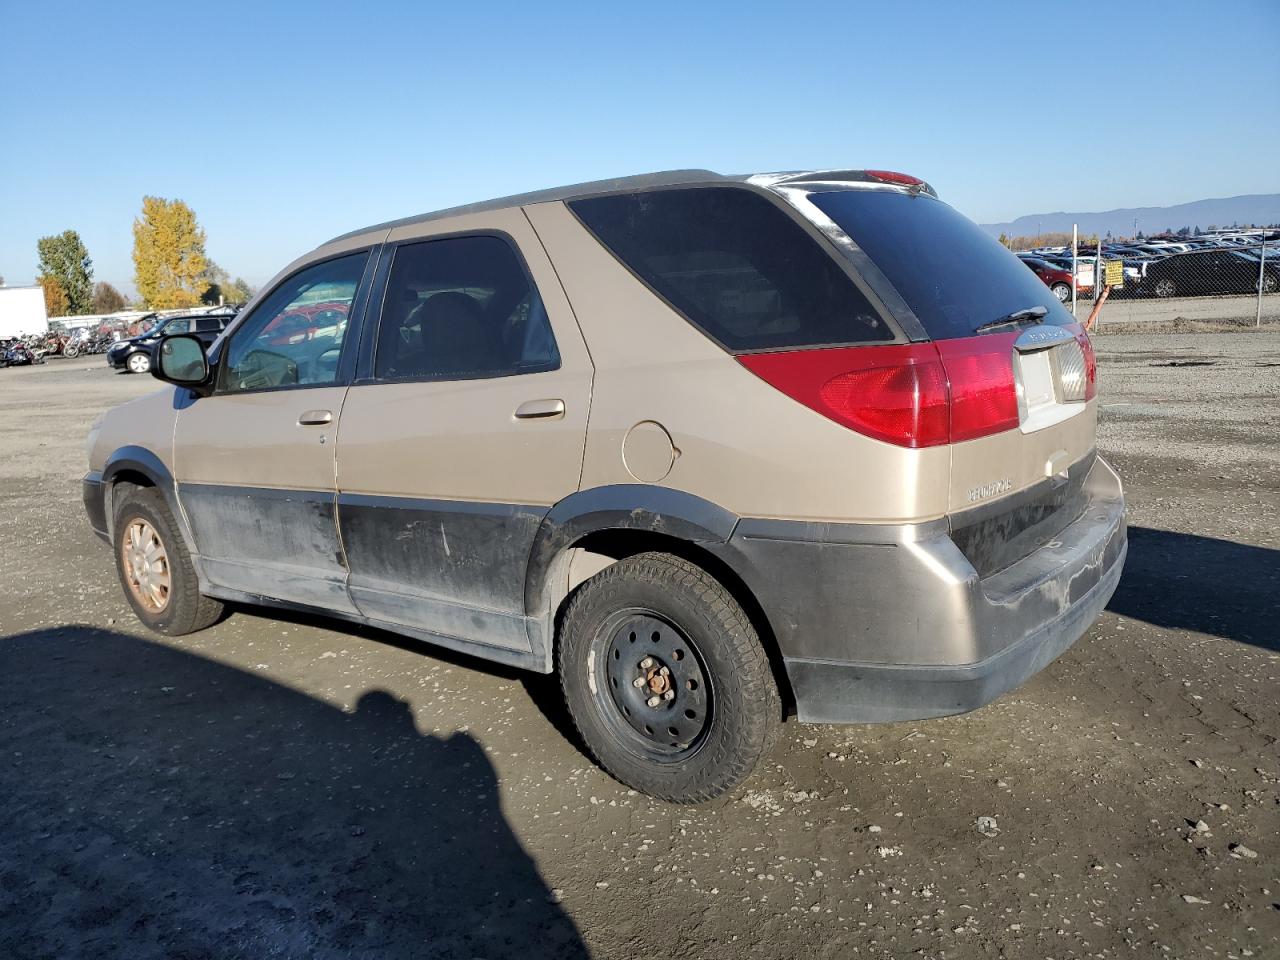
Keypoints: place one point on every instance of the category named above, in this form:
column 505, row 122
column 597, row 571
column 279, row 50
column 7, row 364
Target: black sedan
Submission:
column 1217, row 271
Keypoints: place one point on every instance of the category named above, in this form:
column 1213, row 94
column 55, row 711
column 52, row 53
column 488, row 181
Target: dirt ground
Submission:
column 299, row 788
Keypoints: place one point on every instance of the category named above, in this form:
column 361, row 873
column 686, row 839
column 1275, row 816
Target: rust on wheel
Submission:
column 145, row 564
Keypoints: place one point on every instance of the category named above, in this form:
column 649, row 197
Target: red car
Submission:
column 1055, row 278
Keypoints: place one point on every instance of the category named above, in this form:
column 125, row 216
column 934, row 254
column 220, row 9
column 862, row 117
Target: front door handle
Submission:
column 540, row 410
column 314, row 418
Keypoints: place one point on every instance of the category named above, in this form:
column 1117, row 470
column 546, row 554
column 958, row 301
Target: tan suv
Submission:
column 714, row 449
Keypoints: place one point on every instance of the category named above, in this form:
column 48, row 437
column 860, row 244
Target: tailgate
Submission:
column 1012, row 492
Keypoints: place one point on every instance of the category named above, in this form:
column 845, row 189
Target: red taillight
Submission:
column 889, row 176
column 912, row 395
column 984, row 399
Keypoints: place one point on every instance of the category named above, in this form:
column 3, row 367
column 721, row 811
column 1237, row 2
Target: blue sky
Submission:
column 283, row 124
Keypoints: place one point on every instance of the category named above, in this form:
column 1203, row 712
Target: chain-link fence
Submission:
column 1230, row 279
column 1225, row 279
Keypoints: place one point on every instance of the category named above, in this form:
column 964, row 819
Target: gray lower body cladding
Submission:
column 95, row 504
column 874, row 622
column 882, row 623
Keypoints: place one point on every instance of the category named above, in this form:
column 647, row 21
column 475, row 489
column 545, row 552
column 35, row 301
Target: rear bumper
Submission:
column 881, row 623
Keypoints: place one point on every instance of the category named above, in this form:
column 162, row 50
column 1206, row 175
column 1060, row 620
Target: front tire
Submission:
column 1165, row 287
column 666, row 679
column 155, row 568
column 1062, row 291
column 138, row 363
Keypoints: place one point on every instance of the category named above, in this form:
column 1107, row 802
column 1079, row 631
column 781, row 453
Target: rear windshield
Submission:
column 949, row 271
column 736, row 266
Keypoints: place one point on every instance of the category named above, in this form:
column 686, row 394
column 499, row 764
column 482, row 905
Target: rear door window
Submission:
column 951, row 273
column 462, row 308
column 736, row 266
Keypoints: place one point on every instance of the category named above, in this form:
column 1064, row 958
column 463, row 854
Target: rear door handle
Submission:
column 313, row 418
column 540, row 410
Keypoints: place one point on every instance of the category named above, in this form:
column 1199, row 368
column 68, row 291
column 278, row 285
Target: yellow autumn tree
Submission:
column 169, row 261
column 55, row 298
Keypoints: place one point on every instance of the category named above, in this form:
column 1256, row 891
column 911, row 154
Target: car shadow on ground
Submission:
column 157, row 804
column 1182, row 581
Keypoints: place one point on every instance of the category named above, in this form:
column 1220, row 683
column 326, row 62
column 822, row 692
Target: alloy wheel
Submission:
column 146, row 565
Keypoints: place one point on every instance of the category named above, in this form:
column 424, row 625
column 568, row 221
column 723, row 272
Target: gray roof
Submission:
column 665, row 178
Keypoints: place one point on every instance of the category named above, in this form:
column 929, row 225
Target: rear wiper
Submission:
column 1037, row 313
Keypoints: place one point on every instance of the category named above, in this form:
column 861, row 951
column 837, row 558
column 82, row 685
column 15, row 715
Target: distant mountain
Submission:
column 1261, row 208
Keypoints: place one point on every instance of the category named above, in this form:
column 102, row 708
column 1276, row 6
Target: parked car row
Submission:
column 1237, row 263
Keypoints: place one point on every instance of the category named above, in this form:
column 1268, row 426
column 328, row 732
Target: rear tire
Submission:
column 1062, row 291
column 155, row 568
column 655, row 624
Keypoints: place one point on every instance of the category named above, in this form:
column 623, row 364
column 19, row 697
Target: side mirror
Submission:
column 180, row 359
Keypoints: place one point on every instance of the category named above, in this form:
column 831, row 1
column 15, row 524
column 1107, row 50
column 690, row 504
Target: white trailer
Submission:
column 22, row 311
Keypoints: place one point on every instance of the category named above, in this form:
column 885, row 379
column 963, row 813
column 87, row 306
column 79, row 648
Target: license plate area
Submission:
column 1043, row 398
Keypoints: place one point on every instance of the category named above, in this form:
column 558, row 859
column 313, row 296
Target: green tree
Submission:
column 64, row 258
column 106, row 298
column 168, row 254
column 241, row 292
column 55, row 298
column 222, row 289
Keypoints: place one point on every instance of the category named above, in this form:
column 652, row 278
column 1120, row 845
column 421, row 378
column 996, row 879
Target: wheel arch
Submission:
column 592, row 529
column 142, row 467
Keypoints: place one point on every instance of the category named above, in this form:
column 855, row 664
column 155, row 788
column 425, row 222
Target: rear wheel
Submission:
column 155, row 568
column 138, row 363
column 1270, row 283
column 666, row 679
column 1062, row 291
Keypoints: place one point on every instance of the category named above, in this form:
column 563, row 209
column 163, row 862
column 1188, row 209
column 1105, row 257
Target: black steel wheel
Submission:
column 666, row 679
column 651, row 686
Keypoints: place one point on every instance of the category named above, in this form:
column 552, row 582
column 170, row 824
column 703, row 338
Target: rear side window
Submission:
column 462, row 308
column 953, row 275
column 735, row 266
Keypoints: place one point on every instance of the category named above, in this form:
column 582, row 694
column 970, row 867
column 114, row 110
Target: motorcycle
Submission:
column 17, row 354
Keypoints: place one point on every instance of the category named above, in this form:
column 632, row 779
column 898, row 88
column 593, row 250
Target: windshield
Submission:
column 154, row 331
column 953, row 276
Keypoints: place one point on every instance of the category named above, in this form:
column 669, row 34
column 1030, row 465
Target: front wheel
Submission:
column 139, row 363
column 1165, row 287
column 71, row 352
column 1270, row 283
column 1062, row 291
column 155, row 568
column 666, row 679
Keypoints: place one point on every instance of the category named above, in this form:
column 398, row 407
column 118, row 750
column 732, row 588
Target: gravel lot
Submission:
column 297, row 788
